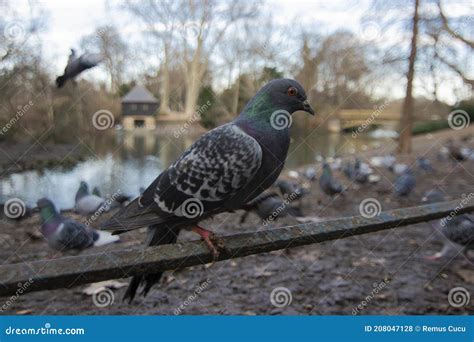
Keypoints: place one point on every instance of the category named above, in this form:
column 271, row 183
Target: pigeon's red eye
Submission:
column 292, row 91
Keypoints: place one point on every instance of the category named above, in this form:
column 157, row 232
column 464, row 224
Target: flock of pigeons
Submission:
column 227, row 169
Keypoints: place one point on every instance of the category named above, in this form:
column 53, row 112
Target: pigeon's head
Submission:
column 433, row 196
column 44, row 203
column 287, row 94
column 276, row 100
column 46, row 208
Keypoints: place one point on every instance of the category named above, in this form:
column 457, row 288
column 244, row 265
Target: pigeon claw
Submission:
column 213, row 242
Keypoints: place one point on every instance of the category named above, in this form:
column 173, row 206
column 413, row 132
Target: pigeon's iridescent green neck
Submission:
column 259, row 109
column 48, row 213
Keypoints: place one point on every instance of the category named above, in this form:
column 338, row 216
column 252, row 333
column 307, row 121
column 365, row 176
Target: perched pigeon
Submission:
column 289, row 190
column 86, row 203
column 269, row 206
column 405, row 183
column 328, row 184
column 76, row 65
column 458, row 229
column 63, row 233
column 310, row 173
column 424, row 164
column 224, row 169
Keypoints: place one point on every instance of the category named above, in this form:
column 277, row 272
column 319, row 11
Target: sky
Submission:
column 69, row 21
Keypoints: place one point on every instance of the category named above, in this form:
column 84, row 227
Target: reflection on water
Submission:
column 126, row 161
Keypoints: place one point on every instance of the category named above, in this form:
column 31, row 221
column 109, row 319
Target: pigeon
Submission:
column 328, row 184
column 76, row 65
column 221, row 171
column 66, row 234
column 310, row 173
column 289, row 190
column 269, row 206
column 359, row 172
column 405, row 183
column 424, row 164
column 86, row 203
column 454, row 150
column 383, row 161
column 458, row 229
column 96, row 191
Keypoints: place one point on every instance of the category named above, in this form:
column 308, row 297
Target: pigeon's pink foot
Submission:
column 210, row 239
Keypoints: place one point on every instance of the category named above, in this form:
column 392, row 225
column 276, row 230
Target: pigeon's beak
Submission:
column 307, row 107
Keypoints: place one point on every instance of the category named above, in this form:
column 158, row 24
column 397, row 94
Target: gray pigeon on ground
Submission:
column 87, row 203
column 290, row 190
column 424, row 164
column 65, row 234
column 224, row 169
column 270, row 206
column 405, row 183
column 76, row 65
column 328, row 184
column 310, row 173
column 458, row 229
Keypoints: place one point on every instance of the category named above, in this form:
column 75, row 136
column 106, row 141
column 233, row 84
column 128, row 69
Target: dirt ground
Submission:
column 328, row 278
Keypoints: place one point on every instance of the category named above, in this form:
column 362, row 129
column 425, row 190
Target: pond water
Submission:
column 126, row 161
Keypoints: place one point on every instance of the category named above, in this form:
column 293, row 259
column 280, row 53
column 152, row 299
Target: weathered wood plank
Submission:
column 72, row 271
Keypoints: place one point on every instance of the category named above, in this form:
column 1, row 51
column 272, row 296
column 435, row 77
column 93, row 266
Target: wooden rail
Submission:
column 67, row 272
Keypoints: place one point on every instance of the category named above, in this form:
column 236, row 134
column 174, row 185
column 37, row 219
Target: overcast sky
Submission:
column 69, row 21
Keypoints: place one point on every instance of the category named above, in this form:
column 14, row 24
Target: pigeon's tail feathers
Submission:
column 156, row 235
column 294, row 211
column 131, row 217
column 60, row 80
column 104, row 238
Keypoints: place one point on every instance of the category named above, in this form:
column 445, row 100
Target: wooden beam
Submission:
column 67, row 272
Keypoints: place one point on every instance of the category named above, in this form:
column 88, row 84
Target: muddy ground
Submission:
column 382, row 273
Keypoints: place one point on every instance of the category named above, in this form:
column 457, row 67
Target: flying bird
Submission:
column 224, row 169
column 328, row 184
column 66, row 234
column 405, row 183
column 76, row 65
column 458, row 229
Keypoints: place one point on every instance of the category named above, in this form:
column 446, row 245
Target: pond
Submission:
column 126, row 161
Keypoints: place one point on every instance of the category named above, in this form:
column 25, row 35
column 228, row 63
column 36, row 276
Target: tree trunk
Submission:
column 165, row 84
column 406, row 121
column 194, row 78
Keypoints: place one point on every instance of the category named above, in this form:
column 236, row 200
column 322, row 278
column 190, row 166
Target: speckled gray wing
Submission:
column 203, row 180
column 74, row 235
column 460, row 230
